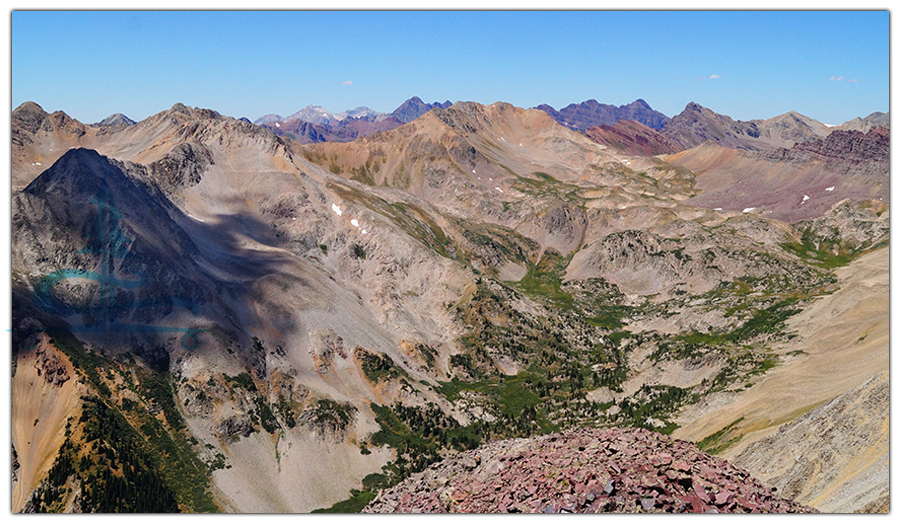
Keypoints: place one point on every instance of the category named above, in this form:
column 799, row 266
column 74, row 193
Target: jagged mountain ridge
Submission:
column 590, row 113
column 558, row 191
column 313, row 125
column 696, row 125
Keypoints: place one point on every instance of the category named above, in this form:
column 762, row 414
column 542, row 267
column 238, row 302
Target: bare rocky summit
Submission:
column 585, row 471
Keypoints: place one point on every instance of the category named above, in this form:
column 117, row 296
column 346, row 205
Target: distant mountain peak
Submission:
column 268, row 118
column 114, row 119
column 313, row 114
column 590, row 113
column 414, row 107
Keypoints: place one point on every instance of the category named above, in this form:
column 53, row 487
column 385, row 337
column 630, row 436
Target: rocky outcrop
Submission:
column 641, row 263
column 584, row 471
column 842, row 150
column 183, row 166
column 51, row 368
column 231, row 427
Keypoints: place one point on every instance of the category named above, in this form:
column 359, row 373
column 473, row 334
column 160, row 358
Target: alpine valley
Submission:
column 450, row 307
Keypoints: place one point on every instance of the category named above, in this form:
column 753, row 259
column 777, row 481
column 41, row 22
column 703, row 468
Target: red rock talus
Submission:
column 584, row 471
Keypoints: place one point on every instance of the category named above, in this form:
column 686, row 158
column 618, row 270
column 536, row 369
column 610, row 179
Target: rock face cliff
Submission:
column 844, row 151
column 584, row 471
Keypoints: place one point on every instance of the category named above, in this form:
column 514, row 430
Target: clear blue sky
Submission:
column 831, row 66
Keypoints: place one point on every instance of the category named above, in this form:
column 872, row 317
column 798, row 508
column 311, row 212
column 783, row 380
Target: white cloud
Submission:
column 348, row 82
column 842, row 78
column 714, row 76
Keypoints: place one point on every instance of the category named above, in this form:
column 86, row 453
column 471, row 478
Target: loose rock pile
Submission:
column 584, row 471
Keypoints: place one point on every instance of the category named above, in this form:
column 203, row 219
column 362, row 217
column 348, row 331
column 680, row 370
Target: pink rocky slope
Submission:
column 584, row 471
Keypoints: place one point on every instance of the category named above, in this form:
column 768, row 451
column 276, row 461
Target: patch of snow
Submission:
column 805, row 199
column 198, row 219
column 503, row 139
column 830, row 189
column 491, row 179
column 336, row 209
column 520, row 145
column 829, row 125
column 751, row 209
column 473, row 171
column 277, row 124
column 36, row 164
column 717, row 209
column 364, row 231
column 498, row 189
column 354, row 223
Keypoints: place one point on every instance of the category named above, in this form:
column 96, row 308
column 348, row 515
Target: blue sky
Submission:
column 831, row 66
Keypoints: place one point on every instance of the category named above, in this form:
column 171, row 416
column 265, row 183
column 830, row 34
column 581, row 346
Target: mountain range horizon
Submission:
column 348, row 312
column 363, row 111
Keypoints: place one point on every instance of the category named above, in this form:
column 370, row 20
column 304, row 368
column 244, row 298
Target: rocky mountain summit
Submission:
column 584, row 471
